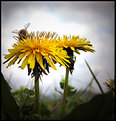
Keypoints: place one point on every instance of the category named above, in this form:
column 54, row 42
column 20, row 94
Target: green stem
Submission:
column 37, row 108
column 64, row 94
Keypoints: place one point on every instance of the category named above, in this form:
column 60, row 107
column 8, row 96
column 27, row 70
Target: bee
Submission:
column 22, row 34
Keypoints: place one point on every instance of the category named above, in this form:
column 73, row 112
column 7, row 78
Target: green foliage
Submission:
column 24, row 96
column 100, row 107
column 26, row 100
column 81, row 105
column 71, row 89
column 9, row 108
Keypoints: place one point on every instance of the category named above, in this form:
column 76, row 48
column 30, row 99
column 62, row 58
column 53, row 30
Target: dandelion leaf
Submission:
column 9, row 108
column 100, row 107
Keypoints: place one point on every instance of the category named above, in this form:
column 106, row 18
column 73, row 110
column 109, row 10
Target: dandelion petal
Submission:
column 24, row 63
column 40, row 60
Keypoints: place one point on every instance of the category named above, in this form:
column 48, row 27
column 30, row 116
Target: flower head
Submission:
column 110, row 84
column 74, row 44
column 37, row 52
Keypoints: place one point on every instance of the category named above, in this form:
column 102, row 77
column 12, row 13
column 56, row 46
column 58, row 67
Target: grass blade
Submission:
column 95, row 77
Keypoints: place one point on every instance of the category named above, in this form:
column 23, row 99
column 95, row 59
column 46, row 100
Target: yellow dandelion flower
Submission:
column 37, row 50
column 74, row 44
column 110, row 84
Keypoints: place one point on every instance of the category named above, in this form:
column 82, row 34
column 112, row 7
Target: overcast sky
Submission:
column 93, row 20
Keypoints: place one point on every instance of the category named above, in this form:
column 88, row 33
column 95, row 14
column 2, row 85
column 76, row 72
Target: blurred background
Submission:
column 93, row 20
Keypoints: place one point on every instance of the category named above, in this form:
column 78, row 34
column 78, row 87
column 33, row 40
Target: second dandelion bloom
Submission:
column 74, row 44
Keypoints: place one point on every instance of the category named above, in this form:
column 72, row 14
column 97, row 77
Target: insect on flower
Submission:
column 38, row 51
column 22, row 34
